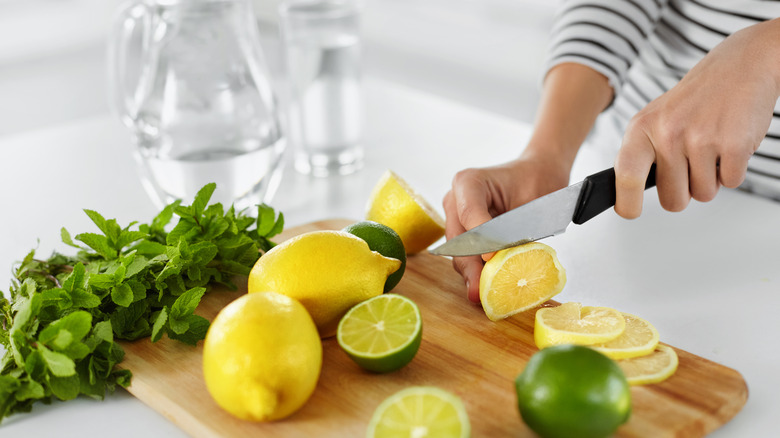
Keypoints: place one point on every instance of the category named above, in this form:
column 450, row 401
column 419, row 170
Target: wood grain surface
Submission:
column 462, row 351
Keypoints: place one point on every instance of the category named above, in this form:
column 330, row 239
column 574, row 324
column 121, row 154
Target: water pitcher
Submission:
column 189, row 78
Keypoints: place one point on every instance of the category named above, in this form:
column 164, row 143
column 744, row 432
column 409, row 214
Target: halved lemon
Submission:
column 381, row 334
column 420, row 411
column 572, row 323
column 638, row 339
column 520, row 278
column 652, row 368
column 395, row 204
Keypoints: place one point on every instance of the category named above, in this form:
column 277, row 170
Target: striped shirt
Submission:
column 644, row 47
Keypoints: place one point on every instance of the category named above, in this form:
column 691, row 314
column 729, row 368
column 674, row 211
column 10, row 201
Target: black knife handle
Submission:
column 598, row 194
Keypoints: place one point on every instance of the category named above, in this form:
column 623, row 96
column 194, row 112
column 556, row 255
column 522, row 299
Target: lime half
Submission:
column 420, row 411
column 381, row 334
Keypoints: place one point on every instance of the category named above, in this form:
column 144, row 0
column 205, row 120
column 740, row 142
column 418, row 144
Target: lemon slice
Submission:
column 420, row 411
column 381, row 334
column 395, row 204
column 517, row 279
column 653, row 368
column 571, row 323
column 638, row 339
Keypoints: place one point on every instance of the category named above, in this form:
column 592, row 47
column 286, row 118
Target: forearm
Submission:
column 572, row 98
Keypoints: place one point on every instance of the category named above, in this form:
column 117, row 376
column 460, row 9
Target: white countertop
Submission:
column 708, row 278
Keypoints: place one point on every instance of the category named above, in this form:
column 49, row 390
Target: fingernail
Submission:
column 467, row 286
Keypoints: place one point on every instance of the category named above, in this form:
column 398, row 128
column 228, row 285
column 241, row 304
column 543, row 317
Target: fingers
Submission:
column 470, row 268
column 631, row 169
column 732, row 169
column 471, row 198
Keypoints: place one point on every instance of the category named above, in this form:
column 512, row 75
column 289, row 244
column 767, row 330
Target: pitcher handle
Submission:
column 131, row 26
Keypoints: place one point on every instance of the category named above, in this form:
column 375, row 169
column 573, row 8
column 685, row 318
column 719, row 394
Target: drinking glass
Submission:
column 321, row 41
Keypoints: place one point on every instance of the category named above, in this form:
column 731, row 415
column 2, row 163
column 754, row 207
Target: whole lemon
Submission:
column 327, row 271
column 262, row 357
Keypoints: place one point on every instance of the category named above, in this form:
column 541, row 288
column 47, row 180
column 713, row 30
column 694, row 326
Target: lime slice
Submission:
column 420, row 411
column 381, row 334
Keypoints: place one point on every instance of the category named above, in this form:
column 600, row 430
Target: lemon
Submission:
column 572, row 323
column 327, row 271
column 638, row 339
column 384, row 240
column 652, row 368
column 572, row 391
column 420, row 411
column 381, row 334
column 395, row 204
column 262, row 357
column 517, row 279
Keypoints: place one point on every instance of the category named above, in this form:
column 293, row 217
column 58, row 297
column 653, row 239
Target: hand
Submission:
column 478, row 195
column 702, row 132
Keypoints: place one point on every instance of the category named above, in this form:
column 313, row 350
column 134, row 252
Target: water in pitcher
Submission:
column 202, row 109
column 326, row 108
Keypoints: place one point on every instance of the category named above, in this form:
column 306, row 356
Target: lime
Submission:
column 572, row 390
column 420, row 411
column 385, row 241
column 381, row 334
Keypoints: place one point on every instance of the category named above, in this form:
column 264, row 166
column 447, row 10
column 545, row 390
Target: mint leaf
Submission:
column 122, row 295
column 99, row 243
column 159, row 324
column 187, row 303
column 66, row 239
column 65, row 387
column 202, row 199
column 59, row 364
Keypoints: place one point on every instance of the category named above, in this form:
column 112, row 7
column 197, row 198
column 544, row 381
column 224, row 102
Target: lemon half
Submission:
column 520, row 278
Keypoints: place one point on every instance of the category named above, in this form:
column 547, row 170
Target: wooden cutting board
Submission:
column 462, row 351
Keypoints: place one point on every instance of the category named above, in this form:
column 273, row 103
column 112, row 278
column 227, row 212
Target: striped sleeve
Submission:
column 605, row 35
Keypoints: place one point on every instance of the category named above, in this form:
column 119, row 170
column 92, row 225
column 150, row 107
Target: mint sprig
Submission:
column 65, row 313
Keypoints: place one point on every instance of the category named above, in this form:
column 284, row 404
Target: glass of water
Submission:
column 323, row 57
column 190, row 81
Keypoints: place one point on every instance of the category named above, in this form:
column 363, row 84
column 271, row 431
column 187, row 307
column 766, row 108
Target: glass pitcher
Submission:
column 189, row 78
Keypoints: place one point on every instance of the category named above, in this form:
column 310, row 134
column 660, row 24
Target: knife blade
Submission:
column 543, row 217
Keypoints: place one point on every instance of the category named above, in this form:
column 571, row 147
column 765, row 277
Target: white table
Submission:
column 708, row 278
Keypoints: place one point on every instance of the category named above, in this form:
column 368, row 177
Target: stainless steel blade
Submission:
column 540, row 218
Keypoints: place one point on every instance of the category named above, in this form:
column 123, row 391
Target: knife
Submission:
column 543, row 217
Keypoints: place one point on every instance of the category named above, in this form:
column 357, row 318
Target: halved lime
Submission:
column 381, row 334
column 420, row 411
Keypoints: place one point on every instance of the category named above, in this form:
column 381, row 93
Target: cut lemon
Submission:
column 571, row 323
column 653, row 368
column 638, row 339
column 517, row 279
column 420, row 411
column 395, row 204
column 381, row 334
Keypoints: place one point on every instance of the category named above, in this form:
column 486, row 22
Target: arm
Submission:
column 702, row 132
column 572, row 97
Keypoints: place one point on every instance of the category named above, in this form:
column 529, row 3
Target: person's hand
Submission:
column 479, row 194
column 702, row 132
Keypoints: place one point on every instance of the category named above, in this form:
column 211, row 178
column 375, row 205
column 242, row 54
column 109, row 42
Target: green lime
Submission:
column 420, row 411
column 572, row 390
column 381, row 334
column 385, row 241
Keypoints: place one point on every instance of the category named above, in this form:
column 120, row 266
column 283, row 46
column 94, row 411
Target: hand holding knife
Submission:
column 543, row 217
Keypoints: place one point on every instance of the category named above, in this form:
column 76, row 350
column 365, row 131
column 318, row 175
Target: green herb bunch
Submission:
column 65, row 313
